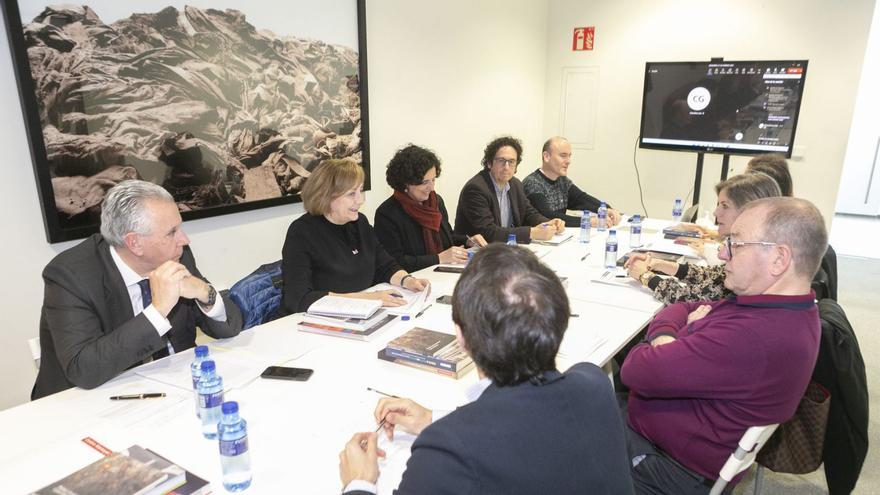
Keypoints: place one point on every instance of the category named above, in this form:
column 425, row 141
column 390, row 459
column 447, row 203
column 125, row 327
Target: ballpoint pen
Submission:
column 585, row 256
column 371, row 389
column 138, row 396
column 378, row 429
column 420, row 313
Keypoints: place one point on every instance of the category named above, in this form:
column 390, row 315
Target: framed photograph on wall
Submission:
column 228, row 104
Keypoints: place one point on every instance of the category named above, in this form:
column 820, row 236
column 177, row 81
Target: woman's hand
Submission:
column 390, row 297
column 476, row 240
column 455, row 254
column 417, row 284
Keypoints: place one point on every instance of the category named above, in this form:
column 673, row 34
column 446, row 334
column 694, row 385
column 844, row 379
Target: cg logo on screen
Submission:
column 699, row 98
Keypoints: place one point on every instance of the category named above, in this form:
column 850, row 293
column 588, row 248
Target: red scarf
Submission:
column 427, row 215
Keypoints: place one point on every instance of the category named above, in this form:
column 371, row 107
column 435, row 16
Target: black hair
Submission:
column 409, row 165
column 498, row 143
column 512, row 311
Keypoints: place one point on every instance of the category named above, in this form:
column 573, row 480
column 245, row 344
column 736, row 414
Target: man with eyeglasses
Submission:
column 708, row 371
column 552, row 193
column 493, row 203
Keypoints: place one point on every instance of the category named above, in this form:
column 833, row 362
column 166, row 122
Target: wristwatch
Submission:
column 646, row 277
column 212, row 298
column 403, row 279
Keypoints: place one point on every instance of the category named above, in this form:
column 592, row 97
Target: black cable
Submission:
column 638, row 177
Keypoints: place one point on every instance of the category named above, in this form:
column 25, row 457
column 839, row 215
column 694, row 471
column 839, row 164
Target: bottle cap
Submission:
column 637, row 218
column 201, row 351
column 230, row 407
column 208, row 366
column 612, row 232
column 404, row 318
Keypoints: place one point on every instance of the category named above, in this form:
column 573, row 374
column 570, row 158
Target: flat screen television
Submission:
column 742, row 108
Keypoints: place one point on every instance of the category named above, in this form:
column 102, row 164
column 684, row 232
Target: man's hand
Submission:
column 165, row 285
column 192, row 287
column 613, row 217
column 359, row 460
column 542, row 232
column 410, row 416
column 699, row 313
column 662, row 340
column 455, row 254
column 635, row 268
column 558, row 224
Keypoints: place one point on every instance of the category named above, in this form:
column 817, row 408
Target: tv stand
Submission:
column 698, row 177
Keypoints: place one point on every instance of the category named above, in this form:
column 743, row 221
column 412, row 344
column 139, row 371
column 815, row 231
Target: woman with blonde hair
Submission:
column 332, row 249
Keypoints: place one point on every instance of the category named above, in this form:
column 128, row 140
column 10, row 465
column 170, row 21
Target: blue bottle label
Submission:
column 636, row 229
column 195, row 382
column 209, row 401
column 611, row 248
column 234, row 447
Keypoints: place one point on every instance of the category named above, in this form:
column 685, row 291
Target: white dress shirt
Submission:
column 130, row 278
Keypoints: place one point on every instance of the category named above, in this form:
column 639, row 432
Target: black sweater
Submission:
column 402, row 236
column 318, row 257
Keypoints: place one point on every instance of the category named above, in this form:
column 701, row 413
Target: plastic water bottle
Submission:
column 585, row 227
column 235, row 459
column 676, row 211
column 511, row 239
column 210, row 398
column 611, row 249
column 602, row 213
column 195, row 370
column 635, row 232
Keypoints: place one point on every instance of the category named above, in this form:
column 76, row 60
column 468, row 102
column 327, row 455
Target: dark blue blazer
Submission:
column 562, row 437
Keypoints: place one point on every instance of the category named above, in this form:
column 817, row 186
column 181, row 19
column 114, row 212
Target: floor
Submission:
column 856, row 240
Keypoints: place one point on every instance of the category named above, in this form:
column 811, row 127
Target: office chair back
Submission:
column 744, row 456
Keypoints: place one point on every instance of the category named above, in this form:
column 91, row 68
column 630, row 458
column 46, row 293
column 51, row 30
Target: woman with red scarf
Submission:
column 413, row 224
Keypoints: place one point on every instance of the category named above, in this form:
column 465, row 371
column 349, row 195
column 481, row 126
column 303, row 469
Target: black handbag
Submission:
column 796, row 446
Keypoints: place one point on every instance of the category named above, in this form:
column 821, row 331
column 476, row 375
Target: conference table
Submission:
column 297, row 429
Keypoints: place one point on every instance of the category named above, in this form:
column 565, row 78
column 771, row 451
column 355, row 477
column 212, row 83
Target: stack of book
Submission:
column 351, row 318
column 430, row 351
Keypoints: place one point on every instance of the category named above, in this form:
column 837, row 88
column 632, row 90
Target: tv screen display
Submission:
column 722, row 107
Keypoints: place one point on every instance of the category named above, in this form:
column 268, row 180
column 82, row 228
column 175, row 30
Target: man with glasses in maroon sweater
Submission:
column 708, row 371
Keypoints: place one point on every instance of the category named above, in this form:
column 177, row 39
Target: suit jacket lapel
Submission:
column 115, row 292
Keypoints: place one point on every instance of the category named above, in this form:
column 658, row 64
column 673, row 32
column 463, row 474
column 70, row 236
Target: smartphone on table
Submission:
column 286, row 373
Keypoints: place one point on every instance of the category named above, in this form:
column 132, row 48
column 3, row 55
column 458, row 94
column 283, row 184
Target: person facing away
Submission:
column 413, row 224
column 708, row 371
column 551, row 192
column 125, row 295
column 332, row 248
column 776, row 166
column 530, row 429
column 493, row 203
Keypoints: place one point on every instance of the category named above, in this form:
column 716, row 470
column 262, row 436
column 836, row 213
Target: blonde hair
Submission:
column 330, row 180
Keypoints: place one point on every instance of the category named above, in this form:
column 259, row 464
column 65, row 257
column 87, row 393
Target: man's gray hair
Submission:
column 124, row 211
column 798, row 224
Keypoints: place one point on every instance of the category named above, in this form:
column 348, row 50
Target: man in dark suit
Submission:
column 127, row 294
column 530, row 429
column 493, row 203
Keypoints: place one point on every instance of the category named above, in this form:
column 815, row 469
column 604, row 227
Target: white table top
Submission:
column 296, row 429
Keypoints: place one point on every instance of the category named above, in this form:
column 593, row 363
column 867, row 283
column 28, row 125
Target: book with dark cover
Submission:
column 135, row 471
column 681, row 230
column 193, row 485
column 430, row 348
column 463, row 370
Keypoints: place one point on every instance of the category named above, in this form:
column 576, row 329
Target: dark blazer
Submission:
column 478, row 211
column 562, row 437
column 88, row 331
column 402, row 236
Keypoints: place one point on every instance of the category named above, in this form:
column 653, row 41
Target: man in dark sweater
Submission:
column 709, row 371
column 551, row 192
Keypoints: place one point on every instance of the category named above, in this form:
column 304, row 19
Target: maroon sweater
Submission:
column 747, row 363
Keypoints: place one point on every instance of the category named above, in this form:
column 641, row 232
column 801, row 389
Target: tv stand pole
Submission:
column 698, row 179
column 725, row 166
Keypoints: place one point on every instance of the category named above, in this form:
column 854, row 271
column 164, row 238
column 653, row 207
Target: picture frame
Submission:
column 227, row 104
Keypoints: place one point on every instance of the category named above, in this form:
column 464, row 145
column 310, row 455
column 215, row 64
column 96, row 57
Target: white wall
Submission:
column 832, row 35
column 449, row 75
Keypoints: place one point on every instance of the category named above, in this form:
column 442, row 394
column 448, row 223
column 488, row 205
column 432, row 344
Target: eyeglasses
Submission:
column 727, row 246
column 504, row 162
